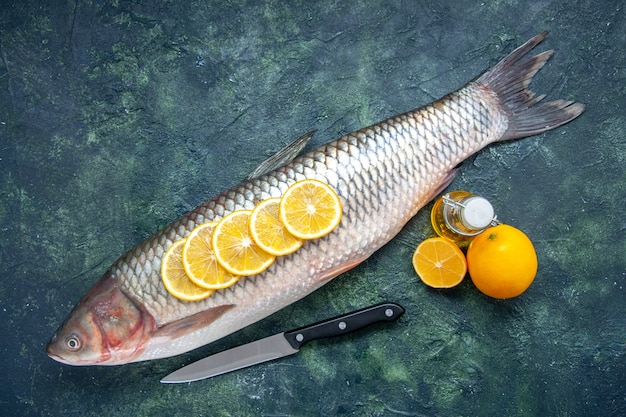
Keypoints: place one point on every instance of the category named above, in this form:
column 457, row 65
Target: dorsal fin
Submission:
column 282, row 157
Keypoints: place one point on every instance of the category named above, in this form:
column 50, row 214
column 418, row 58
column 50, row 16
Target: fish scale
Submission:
column 383, row 175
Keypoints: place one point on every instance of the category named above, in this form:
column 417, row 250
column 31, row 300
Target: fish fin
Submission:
column 450, row 176
column 282, row 157
column 190, row 324
column 332, row 273
column 509, row 80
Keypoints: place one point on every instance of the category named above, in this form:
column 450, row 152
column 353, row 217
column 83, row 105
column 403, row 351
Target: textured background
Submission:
column 117, row 117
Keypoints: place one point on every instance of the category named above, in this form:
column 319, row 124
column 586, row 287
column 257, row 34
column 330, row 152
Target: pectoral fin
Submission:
column 280, row 158
column 190, row 324
column 443, row 184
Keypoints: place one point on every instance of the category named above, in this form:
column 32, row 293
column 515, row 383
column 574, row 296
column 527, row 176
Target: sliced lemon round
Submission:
column 269, row 232
column 234, row 247
column 310, row 209
column 199, row 260
column 174, row 277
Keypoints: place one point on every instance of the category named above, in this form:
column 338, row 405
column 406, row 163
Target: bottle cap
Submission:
column 477, row 213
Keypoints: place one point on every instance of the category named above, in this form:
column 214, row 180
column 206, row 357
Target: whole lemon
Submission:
column 502, row 261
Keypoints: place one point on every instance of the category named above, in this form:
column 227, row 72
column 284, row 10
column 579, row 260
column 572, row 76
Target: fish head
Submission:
column 105, row 328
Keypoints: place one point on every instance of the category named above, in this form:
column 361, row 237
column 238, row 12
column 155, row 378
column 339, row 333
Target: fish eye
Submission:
column 72, row 342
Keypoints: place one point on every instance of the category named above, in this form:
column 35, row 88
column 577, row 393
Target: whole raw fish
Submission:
column 383, row 174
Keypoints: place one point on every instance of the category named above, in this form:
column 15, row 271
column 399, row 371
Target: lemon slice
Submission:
column 439, row 263
column 310, row 209
column 269, row 232
column 174, row 277
column 234, row 247
column 199, row 260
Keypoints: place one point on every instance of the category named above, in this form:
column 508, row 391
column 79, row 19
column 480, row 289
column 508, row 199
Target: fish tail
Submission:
column 509, row 80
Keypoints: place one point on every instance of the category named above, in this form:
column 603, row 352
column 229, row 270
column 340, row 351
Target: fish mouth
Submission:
column 50, row 351
column 64, row 361
column 50, row 346
column 57, row 357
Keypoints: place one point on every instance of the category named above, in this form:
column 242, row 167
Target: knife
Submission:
column 282, row 344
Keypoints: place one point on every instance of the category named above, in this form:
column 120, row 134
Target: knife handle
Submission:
column 344, row 324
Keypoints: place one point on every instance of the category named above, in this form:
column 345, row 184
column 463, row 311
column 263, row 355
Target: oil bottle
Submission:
column 460, row 216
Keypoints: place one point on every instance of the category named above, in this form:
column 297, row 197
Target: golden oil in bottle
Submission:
column 460, row 216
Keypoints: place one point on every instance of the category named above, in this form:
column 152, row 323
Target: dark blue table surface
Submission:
column 117, row 117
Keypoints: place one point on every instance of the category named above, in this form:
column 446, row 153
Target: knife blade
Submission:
column 282, row 344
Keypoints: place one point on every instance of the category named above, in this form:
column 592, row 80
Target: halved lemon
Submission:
column 174, row 277
column 439, row 263
column 269, row 232
column 310, row 209
column 200, row 263
column 234, row 247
